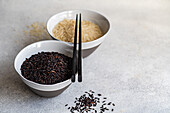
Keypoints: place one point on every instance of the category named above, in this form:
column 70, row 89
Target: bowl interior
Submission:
column 46, row 46
column 92, row 16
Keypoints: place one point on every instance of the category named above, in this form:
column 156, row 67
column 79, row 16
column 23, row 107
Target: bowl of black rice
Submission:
column 45, row 67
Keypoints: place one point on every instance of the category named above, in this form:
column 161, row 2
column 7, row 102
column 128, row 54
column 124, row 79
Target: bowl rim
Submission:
column 71, row 43
column 35, row 83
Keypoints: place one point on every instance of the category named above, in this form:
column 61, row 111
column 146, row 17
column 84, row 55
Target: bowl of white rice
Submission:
column 95, row 28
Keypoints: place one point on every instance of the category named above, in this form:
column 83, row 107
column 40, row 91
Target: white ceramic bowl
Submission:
column 46, row 46
column 88, row 15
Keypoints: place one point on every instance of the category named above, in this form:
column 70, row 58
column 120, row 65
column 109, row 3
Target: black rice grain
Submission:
column 47, row 68
column 89, row 103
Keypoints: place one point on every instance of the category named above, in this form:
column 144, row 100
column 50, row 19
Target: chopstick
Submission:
column 74, row 62
column 79, row 54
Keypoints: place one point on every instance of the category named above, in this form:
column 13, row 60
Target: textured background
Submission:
column 131, row 67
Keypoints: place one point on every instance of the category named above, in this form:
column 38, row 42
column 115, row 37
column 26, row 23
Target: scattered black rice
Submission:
column 103, row 101
column 88, row 103
column 47, row 68
column 99, row 94
column 109, row 103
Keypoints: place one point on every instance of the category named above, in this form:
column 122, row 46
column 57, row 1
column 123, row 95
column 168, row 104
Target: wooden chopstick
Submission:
column 74, row 62
column 79, row 54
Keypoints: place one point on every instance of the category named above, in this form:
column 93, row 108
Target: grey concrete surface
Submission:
column 131, row 67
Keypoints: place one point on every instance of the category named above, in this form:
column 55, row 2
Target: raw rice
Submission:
column 64, row 31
